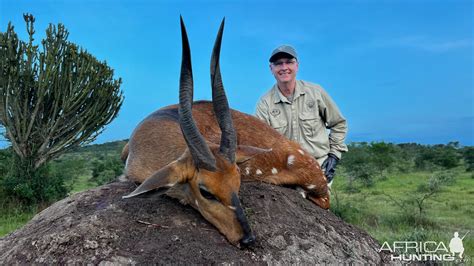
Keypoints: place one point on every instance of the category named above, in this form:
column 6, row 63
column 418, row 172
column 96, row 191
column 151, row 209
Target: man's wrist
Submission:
column 332, row 155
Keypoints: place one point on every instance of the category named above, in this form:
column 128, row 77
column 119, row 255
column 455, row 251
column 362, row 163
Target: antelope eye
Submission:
column 206, row 194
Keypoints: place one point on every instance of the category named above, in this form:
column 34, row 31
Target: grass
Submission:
column 384, row 212
column 14, row 216
column 81, row 183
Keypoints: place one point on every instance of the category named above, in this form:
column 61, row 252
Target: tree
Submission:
column 414, row 204
column 51, row 100
column 106, row 170
column 444, row 156
column 358, row 165
column 382, row 155
column 468, row 155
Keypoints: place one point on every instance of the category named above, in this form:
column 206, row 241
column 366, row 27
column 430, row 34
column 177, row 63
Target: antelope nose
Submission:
column 248, row 240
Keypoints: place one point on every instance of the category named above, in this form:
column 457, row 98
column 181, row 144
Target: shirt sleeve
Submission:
column 336, row 124
column 262, row 111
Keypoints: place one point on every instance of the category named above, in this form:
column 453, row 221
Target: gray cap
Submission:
column 285, row 49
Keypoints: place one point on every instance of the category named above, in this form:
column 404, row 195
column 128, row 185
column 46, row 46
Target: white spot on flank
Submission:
column 300, row 151
column 197, row 204
column 247, row 170
column 291, row 160
column 274, row 171
column 258, row 172
column 311, row 186
column 231, row 207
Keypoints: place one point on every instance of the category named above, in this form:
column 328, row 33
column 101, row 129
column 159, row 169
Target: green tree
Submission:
column 383, row 156
column 441, row 156
column 358, row 165
column 104, row 171
column 468, row 154
column 50, row 101
column 5, row 157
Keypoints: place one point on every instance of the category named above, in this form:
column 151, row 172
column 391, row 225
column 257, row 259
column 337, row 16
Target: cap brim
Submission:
column 280, row 55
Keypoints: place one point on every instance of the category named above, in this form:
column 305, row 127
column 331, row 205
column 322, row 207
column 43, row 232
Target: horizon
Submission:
column 400, row 71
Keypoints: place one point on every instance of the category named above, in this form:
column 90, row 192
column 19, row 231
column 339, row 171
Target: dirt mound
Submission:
column 97, row 226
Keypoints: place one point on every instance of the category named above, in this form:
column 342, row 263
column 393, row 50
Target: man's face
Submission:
column 284, row 69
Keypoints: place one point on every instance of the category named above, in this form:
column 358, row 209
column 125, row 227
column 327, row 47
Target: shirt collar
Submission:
column 279, row 97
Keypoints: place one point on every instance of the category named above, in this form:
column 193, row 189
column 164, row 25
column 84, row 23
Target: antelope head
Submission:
column 206, row 175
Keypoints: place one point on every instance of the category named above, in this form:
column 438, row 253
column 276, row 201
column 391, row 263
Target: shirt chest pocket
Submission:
column 310, row 123
column 279, row 125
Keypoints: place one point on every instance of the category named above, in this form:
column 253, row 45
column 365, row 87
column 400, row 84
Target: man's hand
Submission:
column 329, row 167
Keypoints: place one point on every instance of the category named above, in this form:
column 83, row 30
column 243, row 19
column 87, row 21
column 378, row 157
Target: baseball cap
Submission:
column 283, row 49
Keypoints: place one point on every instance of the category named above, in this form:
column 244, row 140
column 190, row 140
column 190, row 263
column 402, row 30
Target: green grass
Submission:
column 81, row 183
column 13, row 217
column 375, row 209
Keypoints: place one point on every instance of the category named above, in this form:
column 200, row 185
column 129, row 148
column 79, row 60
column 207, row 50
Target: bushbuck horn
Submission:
column 220, row 104
column 198, row 147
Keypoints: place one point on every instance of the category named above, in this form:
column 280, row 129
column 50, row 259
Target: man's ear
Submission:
column 166, row 177
column 245, row 153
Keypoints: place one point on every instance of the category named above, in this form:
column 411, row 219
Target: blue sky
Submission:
column 400, row 71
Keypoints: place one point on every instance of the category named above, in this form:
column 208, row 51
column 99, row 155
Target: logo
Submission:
column 413, row 251
column 275, row 112
column 310, row 104
column 455, row 245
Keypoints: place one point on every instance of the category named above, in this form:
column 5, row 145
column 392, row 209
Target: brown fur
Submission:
column 157, row 141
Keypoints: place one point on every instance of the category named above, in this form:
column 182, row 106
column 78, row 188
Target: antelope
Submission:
column 199, row 152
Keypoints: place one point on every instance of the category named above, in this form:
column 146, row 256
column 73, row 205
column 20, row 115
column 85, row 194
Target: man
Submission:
column 303, row 112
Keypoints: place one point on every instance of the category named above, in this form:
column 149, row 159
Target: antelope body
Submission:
column 204, row 168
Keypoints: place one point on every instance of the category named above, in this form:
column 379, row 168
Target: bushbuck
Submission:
column 200, row 151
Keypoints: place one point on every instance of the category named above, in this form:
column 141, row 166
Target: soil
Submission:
column 99, row 227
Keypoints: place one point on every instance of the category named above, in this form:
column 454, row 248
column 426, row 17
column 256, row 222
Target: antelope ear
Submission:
column 245, row 153
column 166, row 177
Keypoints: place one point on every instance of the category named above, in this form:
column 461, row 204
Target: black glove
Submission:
column 329, row 166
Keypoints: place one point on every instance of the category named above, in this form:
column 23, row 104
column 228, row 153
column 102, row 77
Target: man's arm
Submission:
column 336, row 123
column 262, row 111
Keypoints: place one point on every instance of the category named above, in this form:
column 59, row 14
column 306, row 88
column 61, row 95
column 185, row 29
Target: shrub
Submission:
column 104, row 171
column 33, row 187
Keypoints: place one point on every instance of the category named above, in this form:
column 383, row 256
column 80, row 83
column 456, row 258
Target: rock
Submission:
column 99, row 227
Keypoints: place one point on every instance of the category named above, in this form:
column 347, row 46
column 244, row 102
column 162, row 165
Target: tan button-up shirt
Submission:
column 306, row 118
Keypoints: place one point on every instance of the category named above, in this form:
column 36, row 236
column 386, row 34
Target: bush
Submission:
column 104, row 171
column 5, row 164
column 468, row 156
column 69, row 170
column 444, row 156
column 33, row 187
column 358, row 165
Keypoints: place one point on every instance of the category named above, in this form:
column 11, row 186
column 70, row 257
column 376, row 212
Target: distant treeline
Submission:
column 366, row 161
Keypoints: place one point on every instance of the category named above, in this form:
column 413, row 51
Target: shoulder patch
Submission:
column 310, row 103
